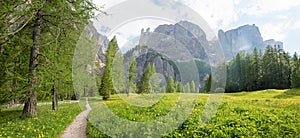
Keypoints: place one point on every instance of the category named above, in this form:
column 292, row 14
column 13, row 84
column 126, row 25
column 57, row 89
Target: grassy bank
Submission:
column 48, row 123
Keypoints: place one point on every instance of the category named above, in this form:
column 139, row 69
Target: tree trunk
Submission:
column 31, row 102
column 128, row 89
column 55, row 98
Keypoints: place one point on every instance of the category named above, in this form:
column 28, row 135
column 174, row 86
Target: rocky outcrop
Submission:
column 182, row 35
column 244, row 38
column 272, row 42
column 101, row 41
column 146, row 56
column 169, row 46
column 183, row 42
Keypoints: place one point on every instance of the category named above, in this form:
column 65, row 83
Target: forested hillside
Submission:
column 272, row 69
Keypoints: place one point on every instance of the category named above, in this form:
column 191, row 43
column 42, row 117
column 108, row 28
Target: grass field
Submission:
column 48, row 123
column 268, row 113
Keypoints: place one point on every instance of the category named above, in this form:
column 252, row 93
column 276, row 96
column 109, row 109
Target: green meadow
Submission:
column 267, row 113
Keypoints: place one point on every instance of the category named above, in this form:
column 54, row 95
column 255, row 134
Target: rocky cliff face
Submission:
column 169, row 45
column 244, row 38
column 177, row 36
column 272, row 42
column 184, row 41
column 145, row 56
column 102, row 44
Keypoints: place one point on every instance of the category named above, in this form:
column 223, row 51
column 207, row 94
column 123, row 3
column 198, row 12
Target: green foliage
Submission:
column 118, row 73
column 154, row 80
column 41, row 35
column 107, row 81
column 170, row 88
column 150, row 81
column 179, row 87
column 132, row 76
column 193, row 87
column 295, row 73
column 144, row 84
column 47, row 124
column 207, row 85
column 271, row 70
column 187, row 88
column 84, row 74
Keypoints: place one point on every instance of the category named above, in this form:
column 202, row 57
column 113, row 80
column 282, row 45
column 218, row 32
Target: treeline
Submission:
column 114, row 81
column 273, row 69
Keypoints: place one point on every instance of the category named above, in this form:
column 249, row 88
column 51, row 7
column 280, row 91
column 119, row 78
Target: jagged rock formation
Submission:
column 244, row 38
column 272, row 42
column 145, row 56
column 170, row 45
column 102, row 42
column 181, row 35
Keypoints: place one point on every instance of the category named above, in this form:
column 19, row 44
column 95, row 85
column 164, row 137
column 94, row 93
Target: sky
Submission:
column 276, row 19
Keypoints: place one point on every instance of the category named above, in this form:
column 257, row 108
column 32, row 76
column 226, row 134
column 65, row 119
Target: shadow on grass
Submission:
column 288, row 94
column 9, row 115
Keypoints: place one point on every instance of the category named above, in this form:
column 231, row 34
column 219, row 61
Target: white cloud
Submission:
column 218, row 14
column 297, row 25
column 130, row 30
column 107, row 3
column 222, row 14
column 275, row 31
column 263, row 7
column 282, row 17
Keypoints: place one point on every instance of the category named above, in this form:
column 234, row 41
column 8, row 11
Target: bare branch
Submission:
column 18, row 30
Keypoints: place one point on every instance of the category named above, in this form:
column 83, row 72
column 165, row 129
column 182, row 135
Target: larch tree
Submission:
column 178, row 86
column 118, row 73
column 144, row 84
column 193, row 87
column 154, row 79
column 107, row 86
column 207, row 84
column 132, row 76
column 170, row 85
column 187, row 88
column 295, row 74
column 41, row 19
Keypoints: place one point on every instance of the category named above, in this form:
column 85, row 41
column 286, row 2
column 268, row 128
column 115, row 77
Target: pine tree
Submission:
column 170, row 85
column 144, row 85
column 207, row 85
column 255, row 64
column 295, row 73
column 268, row 69
column 107, row 82
column 154, row 79
column 132, row 76
column 118, row 73
column 179, row 87
column 187, row 88
column 193, row 87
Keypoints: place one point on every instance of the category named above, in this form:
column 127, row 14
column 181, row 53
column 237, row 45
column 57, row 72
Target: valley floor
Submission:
column 268, row 113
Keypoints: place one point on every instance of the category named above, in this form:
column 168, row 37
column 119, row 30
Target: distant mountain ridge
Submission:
column 244, row 38
column 180, row 35
column 179, row 43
